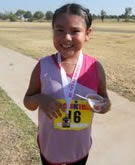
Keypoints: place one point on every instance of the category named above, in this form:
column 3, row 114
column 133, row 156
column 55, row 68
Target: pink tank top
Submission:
column 65, row 146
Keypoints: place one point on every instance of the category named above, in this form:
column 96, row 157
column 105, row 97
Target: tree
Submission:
column 122, row 16
column 12, row 17
column 128, row 12
column 38, row 15
column 6, row 15
column 2, row 16
column 132, row 16
column 118, row 19
column 49, row 15
column 28, row 15
column 20, row 14
column 103, row 14
column 94, row 16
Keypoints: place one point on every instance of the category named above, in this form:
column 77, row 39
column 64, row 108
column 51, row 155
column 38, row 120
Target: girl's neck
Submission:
column 70, row 63
column 70, row 59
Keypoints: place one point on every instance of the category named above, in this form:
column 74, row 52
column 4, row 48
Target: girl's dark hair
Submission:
column 74, row 9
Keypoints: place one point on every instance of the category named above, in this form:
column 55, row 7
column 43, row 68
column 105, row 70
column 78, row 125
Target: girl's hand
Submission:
column 98, row 103
column 103, row 106
column 50, row 106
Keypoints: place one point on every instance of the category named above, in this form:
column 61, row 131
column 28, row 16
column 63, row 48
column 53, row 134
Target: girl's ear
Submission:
column 88, row 32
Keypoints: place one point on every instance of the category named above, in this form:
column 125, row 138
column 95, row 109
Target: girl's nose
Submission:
column 68, row 37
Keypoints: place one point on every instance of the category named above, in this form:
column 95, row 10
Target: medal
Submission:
column 66, row 122
column 69, row 86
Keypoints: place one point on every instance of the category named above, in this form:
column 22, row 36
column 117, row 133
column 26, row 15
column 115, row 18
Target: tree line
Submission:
column 126, row 15
column 22, row 15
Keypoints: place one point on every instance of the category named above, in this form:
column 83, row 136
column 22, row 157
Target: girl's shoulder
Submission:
column 88, row 57
column 48, row 57
column 92, row 60
column 48, row 64
column 89, row 60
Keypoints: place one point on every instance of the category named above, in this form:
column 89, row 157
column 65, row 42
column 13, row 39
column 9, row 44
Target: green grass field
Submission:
column 17, row 135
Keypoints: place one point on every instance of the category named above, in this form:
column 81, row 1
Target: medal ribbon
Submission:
column 69, row 87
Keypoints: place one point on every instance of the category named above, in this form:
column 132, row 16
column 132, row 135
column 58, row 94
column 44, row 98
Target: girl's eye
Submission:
column 59, row 30
column 75, row 31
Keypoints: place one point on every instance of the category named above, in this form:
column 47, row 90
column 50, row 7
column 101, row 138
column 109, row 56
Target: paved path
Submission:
column 114, row 30
column 113, row 133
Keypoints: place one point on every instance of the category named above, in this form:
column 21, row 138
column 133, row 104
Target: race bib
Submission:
column 80, row 116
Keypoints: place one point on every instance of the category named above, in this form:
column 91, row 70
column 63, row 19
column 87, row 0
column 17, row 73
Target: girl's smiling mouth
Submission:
column 67, row 46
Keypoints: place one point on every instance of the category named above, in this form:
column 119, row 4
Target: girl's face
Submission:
column 69, row 34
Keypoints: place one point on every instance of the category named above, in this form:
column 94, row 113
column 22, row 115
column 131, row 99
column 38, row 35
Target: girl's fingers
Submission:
column 97, row 107
column 59, row 112
column 54, row 115
column 49, row 116
column 103, row 107
column 54, row 110
column 61, row 107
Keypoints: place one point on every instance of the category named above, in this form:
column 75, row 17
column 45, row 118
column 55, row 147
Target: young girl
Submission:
column 57, row 84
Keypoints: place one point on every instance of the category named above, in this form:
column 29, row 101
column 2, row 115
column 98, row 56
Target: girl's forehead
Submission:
column 66, row 18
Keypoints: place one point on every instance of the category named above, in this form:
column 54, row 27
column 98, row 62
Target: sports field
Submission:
column 112, row 43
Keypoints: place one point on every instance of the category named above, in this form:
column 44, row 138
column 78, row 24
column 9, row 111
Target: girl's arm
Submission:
column 34, row 98
column 102, row 91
